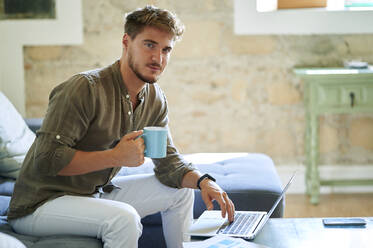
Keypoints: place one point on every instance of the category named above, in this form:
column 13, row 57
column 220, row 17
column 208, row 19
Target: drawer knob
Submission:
column 352, row 97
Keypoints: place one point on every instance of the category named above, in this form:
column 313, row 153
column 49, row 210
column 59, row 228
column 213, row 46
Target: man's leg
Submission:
column 116, row 223
column 148, row 196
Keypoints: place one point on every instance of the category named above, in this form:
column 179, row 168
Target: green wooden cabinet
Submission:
column 331, row 91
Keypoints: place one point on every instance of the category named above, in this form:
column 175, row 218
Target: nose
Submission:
column 157, row 57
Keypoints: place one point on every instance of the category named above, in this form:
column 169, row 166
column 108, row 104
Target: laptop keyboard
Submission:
column 241, row 225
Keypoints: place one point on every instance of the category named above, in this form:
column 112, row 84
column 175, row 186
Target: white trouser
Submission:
column 115, row 217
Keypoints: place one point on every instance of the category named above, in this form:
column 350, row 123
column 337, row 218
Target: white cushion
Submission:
column 15, row 139
column 9, row 241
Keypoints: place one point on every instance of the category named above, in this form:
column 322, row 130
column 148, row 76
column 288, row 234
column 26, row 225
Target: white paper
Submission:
column 221, row 241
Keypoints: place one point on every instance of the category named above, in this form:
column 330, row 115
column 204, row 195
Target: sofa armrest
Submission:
column 34, row 123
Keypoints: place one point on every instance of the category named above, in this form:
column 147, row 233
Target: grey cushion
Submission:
column 60, row 241
column 6, row 186
column 6, row 190
column 4, row 204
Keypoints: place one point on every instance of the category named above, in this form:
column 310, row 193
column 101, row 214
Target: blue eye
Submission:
column 149, row 45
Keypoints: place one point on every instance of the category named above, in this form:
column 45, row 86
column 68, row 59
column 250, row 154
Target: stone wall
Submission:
column 227, row 93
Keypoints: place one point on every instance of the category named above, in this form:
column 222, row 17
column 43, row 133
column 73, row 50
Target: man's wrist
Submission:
column 203, row 183
column 204, row 178
column 112, row 158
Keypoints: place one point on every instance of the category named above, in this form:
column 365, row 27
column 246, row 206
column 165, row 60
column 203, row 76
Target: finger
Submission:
column 133, row 135
column 233, row 208
column 222, row 204
column 140, row 141
column 229, row 205
column 142, row 160
column 206, row 199
column 230, row 209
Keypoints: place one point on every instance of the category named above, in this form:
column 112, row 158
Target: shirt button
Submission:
column 127, row 96
column 58, row 137
column 129, row 112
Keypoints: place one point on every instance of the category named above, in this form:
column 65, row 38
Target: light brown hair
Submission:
column 165, row 20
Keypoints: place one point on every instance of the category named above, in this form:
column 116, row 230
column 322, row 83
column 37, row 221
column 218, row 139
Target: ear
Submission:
column 125, row 41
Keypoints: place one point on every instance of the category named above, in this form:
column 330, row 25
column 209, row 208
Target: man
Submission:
column 91, row 129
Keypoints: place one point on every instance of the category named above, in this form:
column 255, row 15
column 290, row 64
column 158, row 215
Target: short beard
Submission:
column 137, row 73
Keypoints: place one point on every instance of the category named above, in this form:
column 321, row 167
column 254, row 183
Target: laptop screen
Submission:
column 281, row 196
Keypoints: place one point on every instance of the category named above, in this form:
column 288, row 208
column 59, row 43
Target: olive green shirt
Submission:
column 91, row 111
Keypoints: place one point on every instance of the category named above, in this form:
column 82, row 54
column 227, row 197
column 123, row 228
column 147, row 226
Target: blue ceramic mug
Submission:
column 155, row 139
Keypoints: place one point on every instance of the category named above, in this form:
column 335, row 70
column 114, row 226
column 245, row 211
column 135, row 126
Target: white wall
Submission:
column 66, row 29
column 328, row 172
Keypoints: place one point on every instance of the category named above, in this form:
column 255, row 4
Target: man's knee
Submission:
column 125, row 219
column 122, row 227
column 132, row 219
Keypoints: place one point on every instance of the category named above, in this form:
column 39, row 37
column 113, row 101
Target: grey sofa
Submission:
column 250, row 180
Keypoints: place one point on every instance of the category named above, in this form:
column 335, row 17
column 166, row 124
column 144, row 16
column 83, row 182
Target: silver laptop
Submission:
column 246, row 224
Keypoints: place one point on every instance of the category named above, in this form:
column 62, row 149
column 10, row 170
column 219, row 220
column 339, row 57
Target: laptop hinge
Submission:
column 259, row 222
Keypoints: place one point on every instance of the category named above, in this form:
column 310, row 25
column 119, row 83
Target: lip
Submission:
column 154, row 68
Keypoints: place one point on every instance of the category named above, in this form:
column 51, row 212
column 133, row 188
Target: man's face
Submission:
column 148, row 53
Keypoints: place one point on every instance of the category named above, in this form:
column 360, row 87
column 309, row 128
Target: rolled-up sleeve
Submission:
column 69, row 112
column 171, row 169
column 52, row 153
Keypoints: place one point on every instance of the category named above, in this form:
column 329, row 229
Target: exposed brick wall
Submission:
column 227, row 93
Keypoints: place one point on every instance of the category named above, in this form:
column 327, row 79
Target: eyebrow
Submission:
column 151, row 41
column 154, row 42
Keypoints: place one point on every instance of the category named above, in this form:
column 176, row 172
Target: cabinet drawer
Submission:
column 344, row 95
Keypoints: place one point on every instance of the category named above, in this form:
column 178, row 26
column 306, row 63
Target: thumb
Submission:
column 133, row 135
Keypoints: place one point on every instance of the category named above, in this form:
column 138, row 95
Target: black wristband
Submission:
column 203, row 177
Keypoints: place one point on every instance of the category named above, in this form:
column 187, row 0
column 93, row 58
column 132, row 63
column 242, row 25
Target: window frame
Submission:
column 248, row 21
